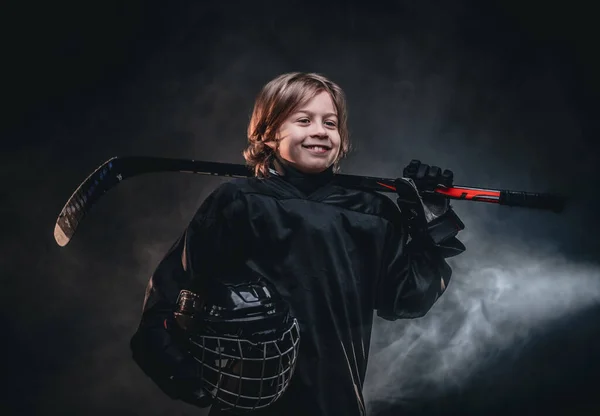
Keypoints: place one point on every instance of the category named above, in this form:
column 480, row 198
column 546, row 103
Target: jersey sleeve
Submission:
column 200, row 251
column 411, row 275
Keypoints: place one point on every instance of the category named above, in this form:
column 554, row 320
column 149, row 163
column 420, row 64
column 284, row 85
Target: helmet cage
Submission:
column 242, row 375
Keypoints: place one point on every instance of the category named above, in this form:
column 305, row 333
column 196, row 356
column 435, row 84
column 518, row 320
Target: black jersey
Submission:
column 335, row 254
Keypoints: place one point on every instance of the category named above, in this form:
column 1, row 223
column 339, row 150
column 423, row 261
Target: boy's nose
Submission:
column 319, row 130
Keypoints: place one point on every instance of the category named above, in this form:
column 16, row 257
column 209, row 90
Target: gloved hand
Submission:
column 427, row 214
column 426, row 178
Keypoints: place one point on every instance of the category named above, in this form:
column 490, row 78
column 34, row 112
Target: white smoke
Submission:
column 503, row 292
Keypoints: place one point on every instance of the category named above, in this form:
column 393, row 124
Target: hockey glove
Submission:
column 429, row 216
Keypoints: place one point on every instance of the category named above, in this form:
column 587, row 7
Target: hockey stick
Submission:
column 117, row 169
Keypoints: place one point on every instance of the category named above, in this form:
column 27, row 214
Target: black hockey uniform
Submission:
column 336, row 255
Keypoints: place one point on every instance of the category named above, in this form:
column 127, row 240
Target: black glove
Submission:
column 416, row 193
column 428, row 215
column 427, row 178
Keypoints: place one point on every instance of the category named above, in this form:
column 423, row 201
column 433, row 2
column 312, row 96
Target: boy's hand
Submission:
column 426, row 178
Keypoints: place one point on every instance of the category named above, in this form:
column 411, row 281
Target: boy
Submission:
column 334, row 254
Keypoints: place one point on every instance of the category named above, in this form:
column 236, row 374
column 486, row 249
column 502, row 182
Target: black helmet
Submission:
column 245, row 339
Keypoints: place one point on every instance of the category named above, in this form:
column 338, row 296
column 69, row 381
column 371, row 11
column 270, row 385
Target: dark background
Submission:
column 504, row 93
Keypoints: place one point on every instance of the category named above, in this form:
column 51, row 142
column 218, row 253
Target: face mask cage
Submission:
column 243, row 376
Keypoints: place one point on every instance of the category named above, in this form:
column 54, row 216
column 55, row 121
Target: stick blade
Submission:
column 62, row 239
column 84, row 197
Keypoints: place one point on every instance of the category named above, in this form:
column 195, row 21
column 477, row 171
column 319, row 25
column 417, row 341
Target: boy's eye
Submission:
column 304, row 120
column 330, row 123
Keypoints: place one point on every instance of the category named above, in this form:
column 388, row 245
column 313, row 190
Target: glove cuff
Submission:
column 445, row 227
column 440, row 233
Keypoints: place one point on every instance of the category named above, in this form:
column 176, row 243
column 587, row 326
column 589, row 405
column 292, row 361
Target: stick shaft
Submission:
column 117, row 169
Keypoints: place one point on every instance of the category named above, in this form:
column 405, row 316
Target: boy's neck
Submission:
column 305, row 182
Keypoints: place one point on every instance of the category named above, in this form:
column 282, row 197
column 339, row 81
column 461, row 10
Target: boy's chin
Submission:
column 312, row 167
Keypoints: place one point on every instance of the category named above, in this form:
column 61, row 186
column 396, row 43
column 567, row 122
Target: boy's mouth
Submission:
column 317, row 148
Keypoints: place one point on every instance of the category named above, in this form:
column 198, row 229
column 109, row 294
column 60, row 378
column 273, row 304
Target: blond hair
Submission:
column 277, row 100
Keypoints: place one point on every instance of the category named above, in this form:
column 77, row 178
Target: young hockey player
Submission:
column 334, row 254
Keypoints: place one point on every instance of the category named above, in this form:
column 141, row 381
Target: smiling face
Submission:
column 309, row 138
